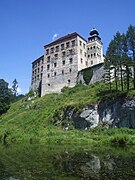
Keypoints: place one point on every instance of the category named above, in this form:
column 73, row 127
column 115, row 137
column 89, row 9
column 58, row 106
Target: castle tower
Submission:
column 94, row 48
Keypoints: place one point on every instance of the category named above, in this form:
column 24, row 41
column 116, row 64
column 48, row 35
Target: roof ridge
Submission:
column 63, row 37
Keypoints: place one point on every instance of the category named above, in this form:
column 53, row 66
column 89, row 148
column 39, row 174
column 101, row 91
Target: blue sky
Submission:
column 27, row 25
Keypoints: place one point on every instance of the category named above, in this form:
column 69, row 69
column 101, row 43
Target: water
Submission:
column 66, row 163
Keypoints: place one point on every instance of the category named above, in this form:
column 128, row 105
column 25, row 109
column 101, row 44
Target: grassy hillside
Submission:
column 32, row 120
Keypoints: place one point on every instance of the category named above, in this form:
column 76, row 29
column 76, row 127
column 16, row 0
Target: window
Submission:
column 67, row 45
column 70, row 70
column 83, row 45
column 80, row 43
column 49, row 85
column 88, row 55
column 73, row 43
column 38, row 70
column 81, row 60
column 62, row 72
column 48, row 66
column 70, row 60
column 48, row 75
column 94, row 54
column 70, row 51
column 42, row 61
column 85, row 54
column 47, row 51
column 91, row 55
column 63, row 53
column 91, row 62
column 88, row 49
column 35, row 71
column 86, row 63
column 55, row 64
column 57, row 48
column 68, row 81
column 38, row 63
column 80, row 51
column 52, row 50
column 55, row 73
column 91, row 47
column 37, row 77
column 63, row 62
column 94, row 47
column 41, row 75
column 56, row 56
column 41, row 68
column 48, row 59
column 62, row 46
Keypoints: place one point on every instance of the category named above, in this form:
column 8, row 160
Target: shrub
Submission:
column 121, row 140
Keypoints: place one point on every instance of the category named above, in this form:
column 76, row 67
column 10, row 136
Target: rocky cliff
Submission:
column 109, row 113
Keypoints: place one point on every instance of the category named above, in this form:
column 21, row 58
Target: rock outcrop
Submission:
column 118, row 113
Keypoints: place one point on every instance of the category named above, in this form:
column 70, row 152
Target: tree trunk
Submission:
column 121, row 77
column 115, row 76
column 134, row 68
column 127, row 78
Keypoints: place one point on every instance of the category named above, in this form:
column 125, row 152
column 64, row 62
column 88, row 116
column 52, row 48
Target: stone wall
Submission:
column 97, row 71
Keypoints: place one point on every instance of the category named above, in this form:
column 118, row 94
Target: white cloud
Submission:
column 55, row 36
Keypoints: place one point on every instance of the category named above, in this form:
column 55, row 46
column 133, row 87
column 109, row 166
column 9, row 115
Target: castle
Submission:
column 63, row 59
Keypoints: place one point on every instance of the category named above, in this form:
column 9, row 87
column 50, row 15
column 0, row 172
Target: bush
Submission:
column 121, row 140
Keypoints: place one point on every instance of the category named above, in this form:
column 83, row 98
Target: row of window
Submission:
column 62, row 72
column 63, row 63
column 82, row 44
column 38, row 63
column 38, row 77
column 38, row 70
column 81, row 52
column 94, row 47
column 60, row 47
column 93, row 55
column 70, row 52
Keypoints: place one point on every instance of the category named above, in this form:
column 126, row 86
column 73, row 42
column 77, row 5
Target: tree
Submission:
column 118, row 53
column 5, row 96
column 131, row 46
column 14, row 87
column 108, row 74
column 113, row 61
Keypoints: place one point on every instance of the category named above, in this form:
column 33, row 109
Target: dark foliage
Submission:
column 87, row 75
column 5, row 96
column 120, row 59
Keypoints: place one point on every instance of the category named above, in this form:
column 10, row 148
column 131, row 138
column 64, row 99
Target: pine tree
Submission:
column 14, row 87
column 131, row 47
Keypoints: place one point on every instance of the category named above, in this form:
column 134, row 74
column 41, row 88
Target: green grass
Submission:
column 32, row 121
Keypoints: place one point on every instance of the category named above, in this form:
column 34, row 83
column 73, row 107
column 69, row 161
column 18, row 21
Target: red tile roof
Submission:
column 68, row 36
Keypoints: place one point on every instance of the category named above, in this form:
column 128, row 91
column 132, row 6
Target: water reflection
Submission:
column 55, row 162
